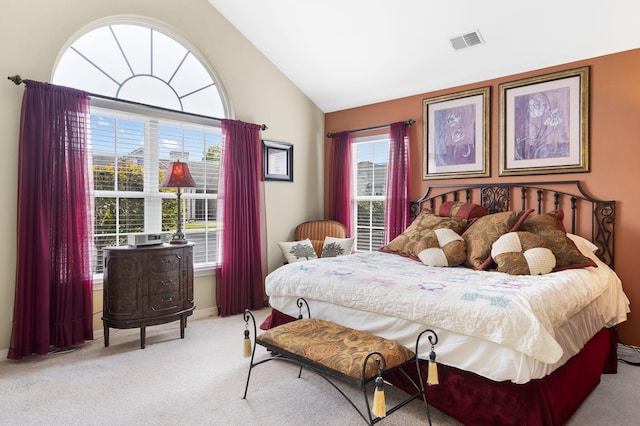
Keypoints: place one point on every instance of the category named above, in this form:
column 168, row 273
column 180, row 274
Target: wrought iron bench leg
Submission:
column 379, row 410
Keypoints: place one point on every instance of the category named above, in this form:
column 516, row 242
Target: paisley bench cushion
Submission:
column 334, row 346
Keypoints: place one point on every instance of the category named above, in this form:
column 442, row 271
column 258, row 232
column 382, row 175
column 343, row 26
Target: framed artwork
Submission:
column 277, row 161
column 544, row 124
column 456, row 135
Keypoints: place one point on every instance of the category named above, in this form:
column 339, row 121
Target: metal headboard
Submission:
column 541, row 196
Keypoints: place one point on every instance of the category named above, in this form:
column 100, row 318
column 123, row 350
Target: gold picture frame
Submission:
column 544, row 124
column 456, row 135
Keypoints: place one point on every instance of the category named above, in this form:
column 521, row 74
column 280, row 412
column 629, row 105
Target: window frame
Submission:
column 133, row 111
column 366, row 198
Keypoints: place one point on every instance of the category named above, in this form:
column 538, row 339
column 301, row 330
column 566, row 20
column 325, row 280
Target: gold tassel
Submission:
column 432, row 374
column 379, row 406
column 247, row 344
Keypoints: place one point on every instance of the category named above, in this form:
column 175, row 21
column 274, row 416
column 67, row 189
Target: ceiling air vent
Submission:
column 467, row 40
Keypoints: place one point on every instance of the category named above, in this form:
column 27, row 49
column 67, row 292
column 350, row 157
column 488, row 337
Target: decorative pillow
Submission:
column 522, row 253
column 549, row 226
column 485, row 231
column 581, row 243
column 412, row 241
column 449, row 250
column 461, row 210
column 333, row 247
column 298, row 251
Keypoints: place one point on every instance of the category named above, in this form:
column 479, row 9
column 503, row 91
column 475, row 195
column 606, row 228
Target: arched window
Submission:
column 128, row 68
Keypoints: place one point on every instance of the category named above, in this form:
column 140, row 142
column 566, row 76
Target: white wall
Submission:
column 33, row 34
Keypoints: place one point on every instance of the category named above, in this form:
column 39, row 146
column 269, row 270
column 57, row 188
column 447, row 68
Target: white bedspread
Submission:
column 519, row 312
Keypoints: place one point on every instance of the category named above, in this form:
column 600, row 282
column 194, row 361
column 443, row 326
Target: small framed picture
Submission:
column 544, row 124
column 456, row 135
column 277, row 161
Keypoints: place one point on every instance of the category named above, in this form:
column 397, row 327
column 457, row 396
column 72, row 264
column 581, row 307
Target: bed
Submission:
column 515, row 348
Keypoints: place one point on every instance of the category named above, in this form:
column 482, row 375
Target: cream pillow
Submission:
column 298, row 251
column 333, row 247
column 583, row 243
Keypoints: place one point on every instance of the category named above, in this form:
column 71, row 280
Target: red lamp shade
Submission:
column 178, row 176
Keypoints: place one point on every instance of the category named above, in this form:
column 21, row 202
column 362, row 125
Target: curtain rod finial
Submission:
column 329, row 135
column 263, row 127
column 411, row 122
column 16, row 79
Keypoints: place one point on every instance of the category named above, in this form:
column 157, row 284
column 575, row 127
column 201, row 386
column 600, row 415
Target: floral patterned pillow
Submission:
column 419, row 236
column 549, row 226
column 485, row 231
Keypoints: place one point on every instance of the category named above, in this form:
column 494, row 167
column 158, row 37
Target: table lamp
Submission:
column 178, row 176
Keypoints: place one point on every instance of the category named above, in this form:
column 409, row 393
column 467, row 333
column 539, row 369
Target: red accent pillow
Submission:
column 461, row 210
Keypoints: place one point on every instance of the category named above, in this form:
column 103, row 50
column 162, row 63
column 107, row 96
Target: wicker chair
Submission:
column 317, row 230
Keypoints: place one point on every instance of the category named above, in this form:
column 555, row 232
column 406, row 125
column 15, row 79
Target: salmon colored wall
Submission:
column 614, row 152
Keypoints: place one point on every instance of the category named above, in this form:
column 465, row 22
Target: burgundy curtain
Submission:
column 340, row 185
column 241, row 238
column 53, row 289
column 396, row 215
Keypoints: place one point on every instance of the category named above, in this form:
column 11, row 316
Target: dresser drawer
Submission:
column 164, row 282
column 165, row 263
column 165, row 302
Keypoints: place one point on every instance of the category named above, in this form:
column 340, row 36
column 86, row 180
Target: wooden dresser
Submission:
column 146, row 286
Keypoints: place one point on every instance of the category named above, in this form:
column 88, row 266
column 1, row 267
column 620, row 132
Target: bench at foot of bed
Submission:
column 337, row 352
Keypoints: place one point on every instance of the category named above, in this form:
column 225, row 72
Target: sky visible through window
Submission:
column 377, row 152
column 139, row 64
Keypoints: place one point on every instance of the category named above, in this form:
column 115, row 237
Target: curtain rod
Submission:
column 18, row 81
column 409, row 122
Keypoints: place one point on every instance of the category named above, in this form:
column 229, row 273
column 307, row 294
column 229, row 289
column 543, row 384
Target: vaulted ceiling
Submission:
column 349, row 53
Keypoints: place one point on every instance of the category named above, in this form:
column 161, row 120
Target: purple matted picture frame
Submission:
column 456, row 135
column 544, row 124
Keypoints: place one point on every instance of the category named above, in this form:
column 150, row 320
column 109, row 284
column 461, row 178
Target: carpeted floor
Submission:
column 200, row 381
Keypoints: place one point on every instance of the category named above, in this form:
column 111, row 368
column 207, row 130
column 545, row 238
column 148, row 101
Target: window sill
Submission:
column 204, row 271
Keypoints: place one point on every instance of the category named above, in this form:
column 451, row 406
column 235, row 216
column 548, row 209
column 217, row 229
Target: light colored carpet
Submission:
column 200, row 381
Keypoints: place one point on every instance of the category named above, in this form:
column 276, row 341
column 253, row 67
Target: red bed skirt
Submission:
column 476, row 400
